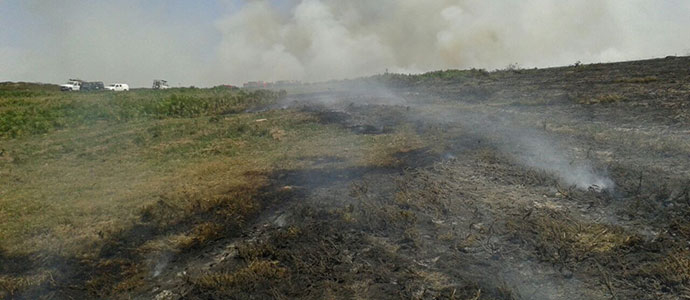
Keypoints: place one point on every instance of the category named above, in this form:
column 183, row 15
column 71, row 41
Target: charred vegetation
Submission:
column 561, row 183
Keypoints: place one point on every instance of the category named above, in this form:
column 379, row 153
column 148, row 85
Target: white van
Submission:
column 118, row 87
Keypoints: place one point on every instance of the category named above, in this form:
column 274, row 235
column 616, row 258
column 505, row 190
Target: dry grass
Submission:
column 178, row 183
column 620, row 259
column 673, row 269
column 255, row 273
column 11, row 285
column 601, row 99
column 97, row 189
column 566, row 241
column 67, row 192
column 645, row 79
column 199, row 235
column 385, row 147
column 326, row 258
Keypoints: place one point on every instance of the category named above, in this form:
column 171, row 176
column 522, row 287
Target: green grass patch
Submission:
column 31, row 114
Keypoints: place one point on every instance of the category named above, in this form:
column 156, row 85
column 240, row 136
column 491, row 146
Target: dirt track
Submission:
column 471, row 215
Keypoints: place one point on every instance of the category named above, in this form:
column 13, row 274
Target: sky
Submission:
column 211, row 42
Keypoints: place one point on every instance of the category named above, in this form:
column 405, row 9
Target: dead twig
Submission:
column 607, row 280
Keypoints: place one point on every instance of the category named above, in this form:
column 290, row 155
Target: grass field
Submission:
column 446, row 185
column 77, row 170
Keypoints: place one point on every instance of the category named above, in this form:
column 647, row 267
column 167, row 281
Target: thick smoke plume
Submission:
column 325, row 39
column 316, row 40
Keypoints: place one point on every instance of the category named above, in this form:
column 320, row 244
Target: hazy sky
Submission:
column 209, row 42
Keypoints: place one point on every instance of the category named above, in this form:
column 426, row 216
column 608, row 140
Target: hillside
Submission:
column 558, row 183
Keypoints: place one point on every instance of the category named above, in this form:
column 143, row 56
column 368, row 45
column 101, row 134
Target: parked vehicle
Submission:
column 92, row 86
column 160, row 85
column 118, row 87
column 71, row 85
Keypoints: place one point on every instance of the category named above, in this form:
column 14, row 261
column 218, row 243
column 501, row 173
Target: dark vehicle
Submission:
column 160, row 85
column 92, row 86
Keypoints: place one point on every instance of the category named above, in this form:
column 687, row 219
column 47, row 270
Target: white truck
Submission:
column 118, row 87
column 71, row 85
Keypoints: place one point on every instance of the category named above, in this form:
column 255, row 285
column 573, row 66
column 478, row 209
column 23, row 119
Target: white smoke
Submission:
column 317, row 40
column 331, row 39
column 525, row 144
column 543, row 153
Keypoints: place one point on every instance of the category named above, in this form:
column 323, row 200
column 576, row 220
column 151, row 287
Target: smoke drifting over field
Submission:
column 326, row 39
column 526, row 145
column 535, row 149
column 543, row 153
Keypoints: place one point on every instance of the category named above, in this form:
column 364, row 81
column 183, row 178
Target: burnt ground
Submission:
column 466, row 217
column 475, row 213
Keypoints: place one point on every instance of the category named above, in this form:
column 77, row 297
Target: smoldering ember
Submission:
column 316, row 152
